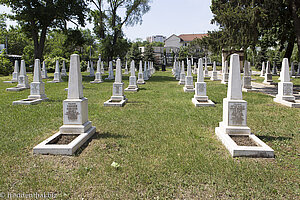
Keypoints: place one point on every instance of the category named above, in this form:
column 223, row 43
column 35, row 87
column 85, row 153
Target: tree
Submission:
column 134, row 53
column 149, row 53
column 265, row 23
column 108, row 23
column 36, row 17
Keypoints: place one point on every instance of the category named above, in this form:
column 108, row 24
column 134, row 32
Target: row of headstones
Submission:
column 37, row 87
column 266, row 69
column 118, row 98
column 200, row 97
column 75, row 107
column 234, row 107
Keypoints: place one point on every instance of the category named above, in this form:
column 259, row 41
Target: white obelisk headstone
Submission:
column 285, row 94
column 200, row 97
column 98, row 77
column 118, row 98
column 246, row 77
column 63, row 69
column 189, row 84
column 268, row 75
column 75, row 117
column 44, row 71
column 234, row 122
column 225, row 74
column 214, row 76
column 132, row 79
column 182, row 74
column 23, row 78
column 141, row 74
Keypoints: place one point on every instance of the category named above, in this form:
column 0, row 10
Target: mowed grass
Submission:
column 166, row 148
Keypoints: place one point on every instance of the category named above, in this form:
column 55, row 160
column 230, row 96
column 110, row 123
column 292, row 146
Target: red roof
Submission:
column 191, row 37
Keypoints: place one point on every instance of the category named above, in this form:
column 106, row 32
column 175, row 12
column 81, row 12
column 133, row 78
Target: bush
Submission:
column 6, row 67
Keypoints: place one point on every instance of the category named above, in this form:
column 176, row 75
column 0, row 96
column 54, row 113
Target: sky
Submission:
column 167, row 17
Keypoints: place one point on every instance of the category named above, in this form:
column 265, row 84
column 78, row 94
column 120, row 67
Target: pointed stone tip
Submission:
column 200, row 75
column 75, row 90
column 234, row 91
column 37, row 77
column 285, row 74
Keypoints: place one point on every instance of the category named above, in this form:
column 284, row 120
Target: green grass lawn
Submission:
column 166, row 148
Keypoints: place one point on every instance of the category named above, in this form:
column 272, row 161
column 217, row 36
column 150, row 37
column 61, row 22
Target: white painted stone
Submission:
column 44, row 71
column 235, row 117
column 57, row 74
column 141, row 74
column 214, row 76
column 75, row 116
column 247, row 77
column 98, row 77
column 189, row 84
column 225, row 74
column 268, row 75
column 132, row 79
column 182, row 74
column 22, row 80
column 118, row 98
column 263, row 70
column 145, row 72
column 37, row 87
column 88, row 69
column 63, row 69
column 102, row 67
column 205, row 69
column 92, row 71
column 126, row 68
column 110, row 71
column 285, row 88
column 200, row 97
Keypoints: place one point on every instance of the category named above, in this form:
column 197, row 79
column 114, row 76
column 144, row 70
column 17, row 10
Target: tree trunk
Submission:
column 39, row 44
column 295, row 8
column 290, row 47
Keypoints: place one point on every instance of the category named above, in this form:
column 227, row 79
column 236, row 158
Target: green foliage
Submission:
column 37, row 17
column 6, row 67
column 108, row 25
column 149, row 53
column 134, row 53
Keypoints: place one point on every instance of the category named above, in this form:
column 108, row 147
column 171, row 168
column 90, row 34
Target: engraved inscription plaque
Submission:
column 72, row 111
column 237, row 113
column 287, row 90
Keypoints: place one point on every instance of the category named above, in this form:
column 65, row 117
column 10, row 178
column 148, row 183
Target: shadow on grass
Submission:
column 272, row 138
column 97, row 136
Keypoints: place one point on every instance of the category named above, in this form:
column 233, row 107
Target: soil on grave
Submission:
column 64, row 139
column 243, row 140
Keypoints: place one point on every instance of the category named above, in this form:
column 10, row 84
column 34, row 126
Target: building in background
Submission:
column 175, row 41
column 156, row 38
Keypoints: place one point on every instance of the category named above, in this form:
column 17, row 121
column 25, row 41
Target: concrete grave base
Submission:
column 260, row 151
column 29, row 101
column 297, row 76
column 115, row 103
column 223, row 82
column 185, row 89
column 10, row 81
column 249, row 90
column 181, row 83
column 93, row 82
column 269, row 83
column 16, row 89
column 141, row 82
column 131, row 89
column 63, row 149
column 202, row 103
column 292, row 104
column 109, row 78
